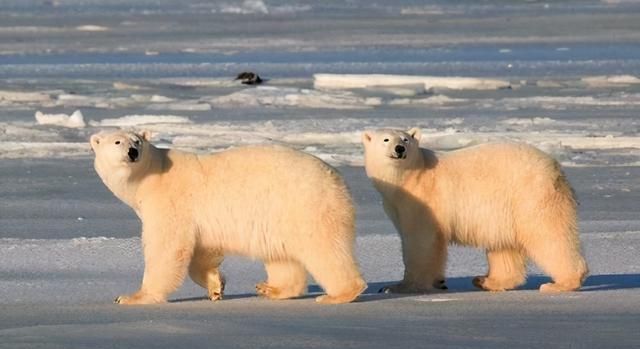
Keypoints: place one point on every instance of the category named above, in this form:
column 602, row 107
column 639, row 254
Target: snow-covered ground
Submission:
column 563, row 76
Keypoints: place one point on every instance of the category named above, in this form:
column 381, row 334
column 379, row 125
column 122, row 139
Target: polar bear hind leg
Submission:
column 560, row 259
column 204, row 271
column 285, row 279
column 335, row 271
column 507, row 270
column 552, row 241
column 339, row 277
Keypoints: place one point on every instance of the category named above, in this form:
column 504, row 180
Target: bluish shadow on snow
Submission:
column 606, row 282
column 603, row 282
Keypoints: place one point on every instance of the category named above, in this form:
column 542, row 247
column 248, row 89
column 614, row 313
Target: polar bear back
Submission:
column 487, row 192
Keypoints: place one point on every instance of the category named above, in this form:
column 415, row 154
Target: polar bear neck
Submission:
column 124, row 182
column 390, row 181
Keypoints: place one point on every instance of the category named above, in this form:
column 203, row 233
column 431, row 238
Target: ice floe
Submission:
column 75, row 120
column 350, row 81
column 91, row 28
column 252, row 7
column 611, row 80
column 181, row 106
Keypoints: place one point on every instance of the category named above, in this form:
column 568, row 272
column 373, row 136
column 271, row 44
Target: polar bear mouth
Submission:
column 398, row 156
column 133, row 154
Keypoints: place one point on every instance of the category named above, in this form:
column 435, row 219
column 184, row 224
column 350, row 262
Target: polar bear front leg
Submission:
column 424, row 254
column 167, row 253
column 204, row 272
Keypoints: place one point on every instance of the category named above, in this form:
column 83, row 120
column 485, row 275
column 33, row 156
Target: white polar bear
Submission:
column 510, row 199
column 272, row 203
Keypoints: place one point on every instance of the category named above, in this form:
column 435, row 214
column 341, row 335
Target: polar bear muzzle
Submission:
column 133, row 154
column 400, row 151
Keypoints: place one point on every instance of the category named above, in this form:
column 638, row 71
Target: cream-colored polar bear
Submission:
column 284, row 207
column 510, row 199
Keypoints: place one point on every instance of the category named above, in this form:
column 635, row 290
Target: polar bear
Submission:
column 509, row 199
column 284, row 207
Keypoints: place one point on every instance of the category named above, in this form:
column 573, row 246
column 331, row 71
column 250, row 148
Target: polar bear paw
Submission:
column 265, row 290
column 137, row 298
column 215, row 296
column 554, row 287
column 496, row 285
column 488, row 284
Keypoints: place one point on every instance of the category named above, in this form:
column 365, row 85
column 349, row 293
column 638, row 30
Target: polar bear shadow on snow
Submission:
column 464, row 284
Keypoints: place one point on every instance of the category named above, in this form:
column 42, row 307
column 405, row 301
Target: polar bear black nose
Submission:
column 133, row 154
column 400, row 149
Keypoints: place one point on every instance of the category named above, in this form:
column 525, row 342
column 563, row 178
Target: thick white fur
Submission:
column 510, row 199
column 284, row 207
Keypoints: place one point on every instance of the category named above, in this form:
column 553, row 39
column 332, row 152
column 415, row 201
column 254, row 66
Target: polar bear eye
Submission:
column 386, row 140
column 405, row 140
column 117, row 142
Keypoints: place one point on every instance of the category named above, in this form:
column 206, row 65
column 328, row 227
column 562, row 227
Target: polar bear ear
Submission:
column 146, row 135
column 415, row 133
column 366, row 137
column 95, row 141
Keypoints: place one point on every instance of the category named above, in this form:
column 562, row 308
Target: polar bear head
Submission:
column 120, row 152
column 391, row 150
column 389, row 153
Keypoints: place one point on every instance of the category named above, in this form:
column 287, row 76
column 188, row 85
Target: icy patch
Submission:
column 250, row 7
column 24, row 97
column 91, row 28
column 135, row 120
column 436, row 100
column 181, row 106
column 247, row 7
column 350, row 81
column 161, row 99
column 18, row 150
column 422, row 10
column 408, row 90
column 529, row 121
column 611, row 80
column 75, row 120
column 454, row 121
column 560, row 103
column 200, row 82
column 295, row 97
column 73, row 100
column 31, row 29
column 118, row 85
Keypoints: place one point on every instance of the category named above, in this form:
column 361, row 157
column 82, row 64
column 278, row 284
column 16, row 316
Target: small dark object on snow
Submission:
column 249, row 78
